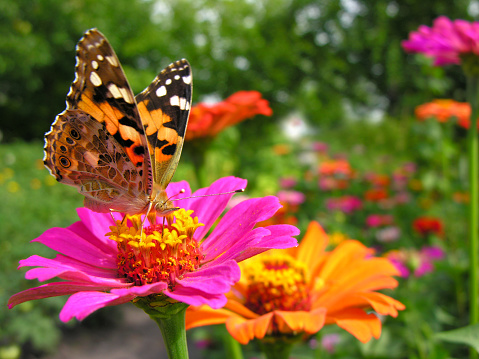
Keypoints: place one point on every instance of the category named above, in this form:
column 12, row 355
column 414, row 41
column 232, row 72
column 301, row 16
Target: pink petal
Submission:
column 215, row 279
column 237, row 222
column 69, row 243
column 208, row 209
column 97, row 223
column 280, row 237
column 104, row 243
column 52, row 290
column 82, row 304
column 141, row 290
column 195, row 297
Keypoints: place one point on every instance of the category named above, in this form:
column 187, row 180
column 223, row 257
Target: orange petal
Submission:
column 240, row 309
column 299, row 322
column 312, row 245
column 244, row 330
column 357, row 322
column 204, row 315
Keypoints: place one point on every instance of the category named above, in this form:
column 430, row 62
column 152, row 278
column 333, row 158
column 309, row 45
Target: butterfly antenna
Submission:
column 214, row 194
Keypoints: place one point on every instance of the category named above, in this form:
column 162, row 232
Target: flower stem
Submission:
column 170, row 317
column 473, row 93
column 232, row 347
column 276, row 349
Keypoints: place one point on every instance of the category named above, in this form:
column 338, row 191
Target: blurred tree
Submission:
column 319, row 58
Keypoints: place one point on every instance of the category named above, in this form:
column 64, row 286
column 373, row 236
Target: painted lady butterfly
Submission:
column 120, row 151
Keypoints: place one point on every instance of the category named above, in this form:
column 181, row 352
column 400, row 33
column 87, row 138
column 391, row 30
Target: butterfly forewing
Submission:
column 101, row 90
column 164, row 108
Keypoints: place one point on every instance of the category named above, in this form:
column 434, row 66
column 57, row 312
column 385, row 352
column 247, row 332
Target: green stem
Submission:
column 174, row 335
column 170, row 317
column 232, row 347
column 473, row 93
column 276, row 349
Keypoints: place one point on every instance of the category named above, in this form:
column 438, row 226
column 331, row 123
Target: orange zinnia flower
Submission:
column 443, row 110
column 209, row 120
column 299, row 290
column 376, row 194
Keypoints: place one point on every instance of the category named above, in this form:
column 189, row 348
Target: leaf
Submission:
column 466, row 335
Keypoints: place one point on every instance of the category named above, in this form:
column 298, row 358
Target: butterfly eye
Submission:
column 65, row 162
column 74, row 133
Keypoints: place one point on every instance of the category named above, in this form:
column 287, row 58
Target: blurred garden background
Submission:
column 346, row 143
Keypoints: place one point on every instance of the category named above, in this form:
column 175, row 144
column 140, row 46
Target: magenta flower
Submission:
column 445, row 41
column 291, row 197
column 419, row 262
column 177, row 259
column 346, row 204
column 378, row 220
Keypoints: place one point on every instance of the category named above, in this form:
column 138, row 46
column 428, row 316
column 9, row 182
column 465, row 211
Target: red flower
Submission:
column 209, row 120
column 426, row 225
column 376, row 194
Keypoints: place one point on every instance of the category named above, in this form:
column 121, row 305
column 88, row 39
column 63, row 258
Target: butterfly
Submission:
column 118, row 150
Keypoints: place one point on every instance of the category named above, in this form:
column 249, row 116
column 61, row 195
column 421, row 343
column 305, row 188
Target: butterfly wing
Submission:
column 101, row 100
column 80, row 152
column 164, row 108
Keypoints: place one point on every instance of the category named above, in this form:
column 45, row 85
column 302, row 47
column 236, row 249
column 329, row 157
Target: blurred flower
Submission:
column 208, row 120
column 402, row 197
column 446, row 41
column 290, row 201
column 293, row 198
column 377, row 180
column 141, row 259
column 444, row 110
column 336, row 238
column 320, row 147
column 329, row 342
column 376, row 194
column 296, row 291
column 331, row 184
column 388, row 234
column 426, row 225
column 378, row 220
column 340, row 168
column 346, row 204
column 295, row 127
column 420, row 262
column 281, row 149
column 287, row 182
column 461, row 197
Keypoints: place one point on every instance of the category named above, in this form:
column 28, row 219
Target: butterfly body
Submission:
column 118, row 150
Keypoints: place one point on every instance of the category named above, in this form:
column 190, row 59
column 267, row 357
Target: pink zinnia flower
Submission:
column 445, row 41
column 177, row 259
column 293, row 198
column 420, row 262
column 378, row 220
column 346, row 204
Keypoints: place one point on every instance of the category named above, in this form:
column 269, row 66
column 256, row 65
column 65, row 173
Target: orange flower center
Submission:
column 158, row 253
column 276, row 282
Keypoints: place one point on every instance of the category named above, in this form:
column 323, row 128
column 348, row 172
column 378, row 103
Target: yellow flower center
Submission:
column 158, row 252
column 276, row 282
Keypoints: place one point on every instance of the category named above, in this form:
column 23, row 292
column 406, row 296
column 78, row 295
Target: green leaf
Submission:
column 467, row 335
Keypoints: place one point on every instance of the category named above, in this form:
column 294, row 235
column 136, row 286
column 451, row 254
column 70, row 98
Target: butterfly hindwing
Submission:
column 81, row 153
column 164, row 108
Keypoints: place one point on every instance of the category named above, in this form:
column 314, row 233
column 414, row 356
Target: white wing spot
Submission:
column 100, row 58
column 177, row 77
column 112, row 60
column 161, row 91
column 77, row 61
column 127, row 96
column 95, row 79
column 115, row 91
column 94, row 64
column 168, row 81
column 187, row 79
column 175, row 101
column 183, row 103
